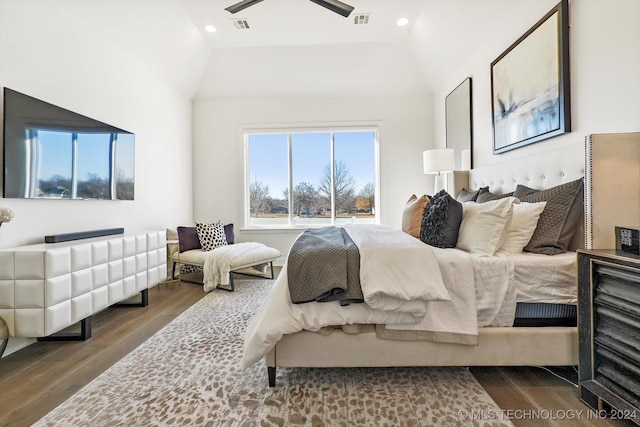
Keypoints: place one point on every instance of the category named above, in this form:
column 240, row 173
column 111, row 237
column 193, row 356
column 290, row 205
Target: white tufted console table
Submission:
column 47, row 287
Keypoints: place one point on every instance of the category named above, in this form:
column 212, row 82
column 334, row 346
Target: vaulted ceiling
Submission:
column 295, row 47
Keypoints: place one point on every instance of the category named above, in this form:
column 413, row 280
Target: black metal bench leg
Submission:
column 231, row 273
column 271, row 372
column 230, row 288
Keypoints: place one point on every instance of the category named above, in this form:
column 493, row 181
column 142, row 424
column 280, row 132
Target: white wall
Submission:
column 314, row 70
column 604, row 65
column 47, row 50
column 405, row 131
column 307, row 85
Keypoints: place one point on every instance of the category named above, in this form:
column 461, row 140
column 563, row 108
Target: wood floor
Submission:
column 538, row 398
column 38, row 378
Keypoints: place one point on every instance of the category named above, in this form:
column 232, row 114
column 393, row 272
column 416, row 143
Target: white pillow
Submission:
column 484, row 225
column 523, row 224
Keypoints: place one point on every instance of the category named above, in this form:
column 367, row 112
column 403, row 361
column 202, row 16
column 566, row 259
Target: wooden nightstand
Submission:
column 609, row 332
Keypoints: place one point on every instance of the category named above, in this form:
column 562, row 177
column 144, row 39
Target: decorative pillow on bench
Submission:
column 188, row 237
column 211, row 236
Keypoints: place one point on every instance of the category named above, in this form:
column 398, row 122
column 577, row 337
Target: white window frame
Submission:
column 289, row 130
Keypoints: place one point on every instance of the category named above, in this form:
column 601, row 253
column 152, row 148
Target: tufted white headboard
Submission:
column 540, row 171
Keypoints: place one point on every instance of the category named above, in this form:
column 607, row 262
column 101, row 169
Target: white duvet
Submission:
column 407, row 286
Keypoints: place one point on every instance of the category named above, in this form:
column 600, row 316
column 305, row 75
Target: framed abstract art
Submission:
column 530, row 84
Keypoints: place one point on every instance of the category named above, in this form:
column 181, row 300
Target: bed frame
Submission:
column 518, row 346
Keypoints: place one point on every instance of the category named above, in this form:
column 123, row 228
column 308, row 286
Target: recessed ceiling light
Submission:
column 210, row 28
column 402, row 22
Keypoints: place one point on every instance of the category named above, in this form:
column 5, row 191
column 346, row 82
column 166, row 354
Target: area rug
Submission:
column 188, row 374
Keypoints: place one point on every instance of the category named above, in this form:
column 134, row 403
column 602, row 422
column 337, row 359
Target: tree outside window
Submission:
column 332, row 174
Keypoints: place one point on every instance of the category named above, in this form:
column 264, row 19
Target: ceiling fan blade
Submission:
column 241, row 6
column 336, row 6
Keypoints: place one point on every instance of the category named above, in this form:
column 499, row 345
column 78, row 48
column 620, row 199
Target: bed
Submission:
column 496, row 345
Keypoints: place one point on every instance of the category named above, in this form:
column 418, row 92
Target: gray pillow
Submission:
column 488, row 196
column 229, row 234
column 187, row 239
column 470, row 196
column 441, row 220
column 560, row 218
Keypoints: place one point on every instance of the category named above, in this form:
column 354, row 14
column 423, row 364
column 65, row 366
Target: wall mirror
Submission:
column 459, row 120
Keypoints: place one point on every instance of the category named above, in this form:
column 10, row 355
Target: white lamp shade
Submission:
column 438, row 160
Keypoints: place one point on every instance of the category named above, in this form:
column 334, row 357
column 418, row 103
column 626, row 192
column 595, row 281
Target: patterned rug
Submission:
column 188, row 374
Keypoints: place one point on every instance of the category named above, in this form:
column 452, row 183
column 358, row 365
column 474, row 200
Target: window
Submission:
column 311, row 178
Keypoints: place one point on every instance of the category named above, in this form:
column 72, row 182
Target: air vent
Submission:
column 361, row 19
column 240, row 24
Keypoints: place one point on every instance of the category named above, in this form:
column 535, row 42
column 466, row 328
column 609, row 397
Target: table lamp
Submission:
column 436, row 162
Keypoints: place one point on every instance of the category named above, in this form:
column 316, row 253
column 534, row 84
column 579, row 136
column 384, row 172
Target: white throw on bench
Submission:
column 221, row 263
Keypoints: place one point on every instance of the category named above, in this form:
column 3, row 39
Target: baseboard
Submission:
column 18, row 343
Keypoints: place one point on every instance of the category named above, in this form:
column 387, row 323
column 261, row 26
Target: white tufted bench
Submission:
column 259, row 259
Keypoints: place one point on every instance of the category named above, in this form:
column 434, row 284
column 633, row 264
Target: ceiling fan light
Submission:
column 235, row 8
column 336, row 6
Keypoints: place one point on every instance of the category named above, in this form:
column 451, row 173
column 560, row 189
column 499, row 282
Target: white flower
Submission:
column 6, row 215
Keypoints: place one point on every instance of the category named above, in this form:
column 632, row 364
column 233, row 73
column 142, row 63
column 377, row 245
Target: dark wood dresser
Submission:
column 609, row 332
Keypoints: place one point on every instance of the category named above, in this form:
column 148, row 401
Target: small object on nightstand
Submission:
column 628, row 239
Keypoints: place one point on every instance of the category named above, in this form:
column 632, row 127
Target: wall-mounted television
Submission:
column 53, row 153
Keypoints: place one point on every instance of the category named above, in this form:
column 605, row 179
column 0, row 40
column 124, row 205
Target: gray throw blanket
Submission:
column 324, row 265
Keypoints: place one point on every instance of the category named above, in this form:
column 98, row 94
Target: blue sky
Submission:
column 311, row 153
column 93, row 154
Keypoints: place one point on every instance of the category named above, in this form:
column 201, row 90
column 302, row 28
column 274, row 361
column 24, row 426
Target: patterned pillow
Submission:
column 412, row 214
column 211, row 236
column 441, row 221
column 560, row 218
